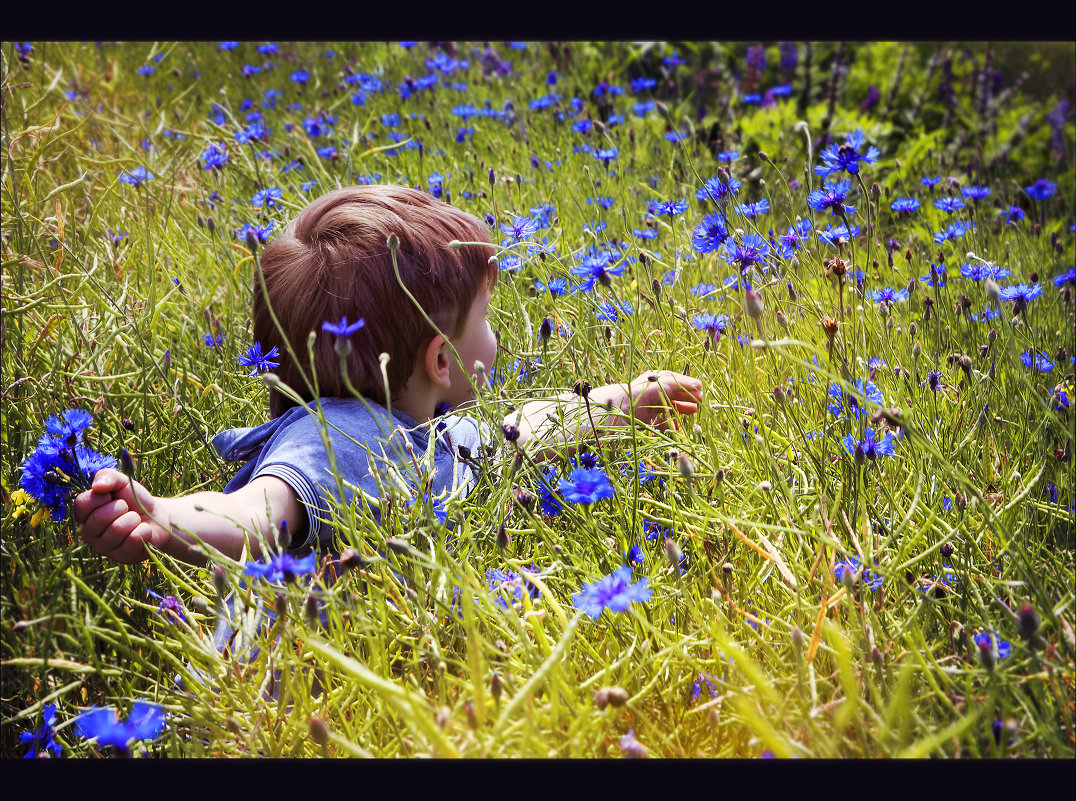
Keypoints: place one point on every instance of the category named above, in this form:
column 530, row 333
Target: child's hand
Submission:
column 653, row 394
column 113, row 522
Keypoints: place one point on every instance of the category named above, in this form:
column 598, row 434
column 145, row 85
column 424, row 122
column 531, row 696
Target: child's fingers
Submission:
column 108, row 480
column 132, row 549
column 87, row 502
column 117, row 530
column 97, row 522
column 685, row 407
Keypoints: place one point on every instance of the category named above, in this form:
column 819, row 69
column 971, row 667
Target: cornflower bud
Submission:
column 393, row 242
column 492, row 182
column 545, row 330
column 252, row 243
column 993, row 291
column 280, row 605
column 398, row 546
column 673, row 554
column 946, row 550
column 219, row 581
column 319, row 730
column 351, row 559
column 992, row 336
column 582, row 388
column 127, row 464
column 525, row 499
column 779, row 396
column 211, row 224
column 1027, row 623
column 916, row 349
column 684, row 465
column 472, row 718
column 495, row 687
column 913, row 329
column 986, row 653
column 511, row 432
column 310, row 609
column 797, row 638
column 502, row 538
column 719, row 475
column 752, row 304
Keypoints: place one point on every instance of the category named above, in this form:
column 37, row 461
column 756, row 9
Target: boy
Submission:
column 332, row 264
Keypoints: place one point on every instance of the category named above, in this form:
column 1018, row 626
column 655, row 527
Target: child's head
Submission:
column 333, row 261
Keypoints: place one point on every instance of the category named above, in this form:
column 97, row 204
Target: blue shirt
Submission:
column 368, row 444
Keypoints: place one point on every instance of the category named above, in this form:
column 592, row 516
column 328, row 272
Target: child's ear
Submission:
column 435, row 361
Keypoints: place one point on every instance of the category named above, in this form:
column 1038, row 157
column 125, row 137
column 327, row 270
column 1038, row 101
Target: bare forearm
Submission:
column 218, row 520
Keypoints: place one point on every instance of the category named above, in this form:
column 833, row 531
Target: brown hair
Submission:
column 333, row 260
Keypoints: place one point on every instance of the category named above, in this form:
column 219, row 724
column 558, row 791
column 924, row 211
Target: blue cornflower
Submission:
column 213, row 341
column 606, row 154
column 831, row 196
column 710, row 233
column 653, row 530
column 72, row 423
column 645, row 233
column 169, row 606
column 846, row 157
column 953, row 231
column 604, row 202
column 754, row 209
column 611, row 311
column 976, row 192
column 632, row 748
column 929, row 181
column 548, row 501
column 792, row 240
column 251, row 133
column 614, row 592
column 510, row 583
column 1041, row 189
column 268, row 48
column 214, row 156
column 586, row 486
column 1037, row 361
column 986, row 642
column 853, row 565
column 1065, row 278
column 839, row 235
column 556, row 286
column 261, row 232
column 436, row 506
column 103, row 724
column 257, row 361
column 595, row 268
column 635, row 555
column 1013, row 214
column 300, row 76
column 871, row 446
column 520, row 228
column 980, row 272
column 728, row 155
column 136, row 177
column 582, row 126
column 754, row 97
column 862, row 389
column 672, row 208
column 949, row 204
column 342, row 328
column 714, row 189
column 696, row 687
column 282, row 567
column 704, row 290
column 904, row 205
column 711, row 323
column 888, row 295
column 642, row 84
column 229, row 45
column 44, row 737
column 1021, row 293
column 753, row 250
column 266, row 197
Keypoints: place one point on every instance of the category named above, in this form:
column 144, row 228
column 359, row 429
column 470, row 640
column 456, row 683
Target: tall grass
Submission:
column 759, row 641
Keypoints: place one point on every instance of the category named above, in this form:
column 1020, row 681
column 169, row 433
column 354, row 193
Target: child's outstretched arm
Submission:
column 117, row 516
column 649, row 398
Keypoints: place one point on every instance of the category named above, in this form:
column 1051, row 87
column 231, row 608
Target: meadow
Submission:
column 862, row 545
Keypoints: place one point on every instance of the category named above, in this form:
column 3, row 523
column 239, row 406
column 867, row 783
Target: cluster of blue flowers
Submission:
column 62, row 463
